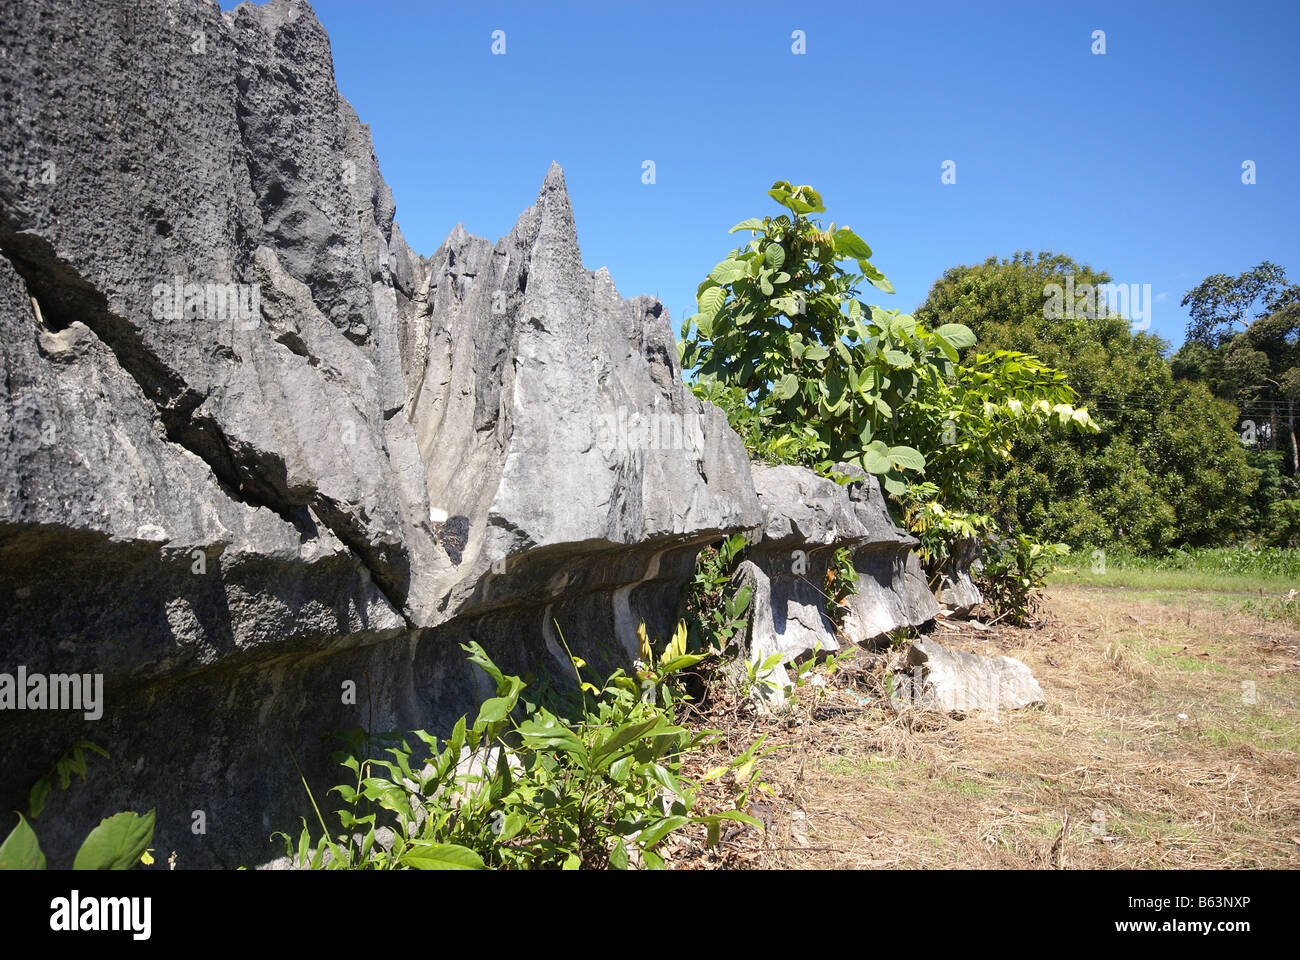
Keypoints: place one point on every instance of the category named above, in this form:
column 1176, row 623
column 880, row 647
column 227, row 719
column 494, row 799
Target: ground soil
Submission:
column 1170, row 739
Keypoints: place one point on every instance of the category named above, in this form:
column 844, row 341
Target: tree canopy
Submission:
column 1168, row 466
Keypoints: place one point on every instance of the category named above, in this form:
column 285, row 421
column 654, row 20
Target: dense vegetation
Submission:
column 809, row 373
column 1243, row 344
column 1168, row 467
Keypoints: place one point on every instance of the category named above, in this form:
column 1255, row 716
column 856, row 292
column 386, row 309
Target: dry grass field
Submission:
column 1170, row 739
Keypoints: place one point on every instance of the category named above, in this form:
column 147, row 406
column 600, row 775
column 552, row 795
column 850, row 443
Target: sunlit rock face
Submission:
column 262, row 466
column 807, row 519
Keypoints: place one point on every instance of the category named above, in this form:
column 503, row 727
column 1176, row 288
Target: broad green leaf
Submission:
column 711, row 301
column 425, row 855
column 790, row 306
column 957, row 334
column 116, row 844
column 546, row 733
column 684, row 662
column 787, row 388
column 775, row 256
column 948, row 349
column 806, row 200
column 873, row 461
column 903, row 324
column 622, row 737
column 656, row 832
column 907, row 458
column 618, row 858
column 753, row 223
column 849, row 244
column 36, row 799
column 21, row 850
column 816, row 352
column 729, row 271
column 510, row 826
column 494, row 710
column 897, row 358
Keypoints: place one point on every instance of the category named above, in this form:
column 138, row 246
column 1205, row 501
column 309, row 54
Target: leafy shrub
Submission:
column 809, row 373
column 1011, row 573
column 841, row 583
column 524, row 788
column 1284, row 522
column 713, row 611
column 779, row 320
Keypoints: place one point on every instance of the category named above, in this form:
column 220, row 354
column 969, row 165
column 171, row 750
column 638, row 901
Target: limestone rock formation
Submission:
column 264, row 469
column 262, row 466
column 957, row 593
column 934, row 677
column 806, row 520
column 892, row 592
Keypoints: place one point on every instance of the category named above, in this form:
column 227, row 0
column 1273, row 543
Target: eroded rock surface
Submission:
column 957, row 593
column 806, row 520
column 262, row 466
column 934, row 677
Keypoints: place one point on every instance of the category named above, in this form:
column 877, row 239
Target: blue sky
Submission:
column 1129, row 161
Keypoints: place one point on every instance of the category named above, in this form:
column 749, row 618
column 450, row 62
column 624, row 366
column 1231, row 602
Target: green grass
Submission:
column 1275, row 608
column 1270, row 571
column 878, row 769
column 967, row 788
column 1179, row 580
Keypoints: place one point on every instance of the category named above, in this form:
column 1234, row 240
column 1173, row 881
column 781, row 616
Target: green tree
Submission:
column 1167, row 467
column 808, row 372
column 1219, row 303
column 1243, row 343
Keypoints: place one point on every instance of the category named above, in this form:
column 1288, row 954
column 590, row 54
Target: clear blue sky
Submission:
column 1129, row 161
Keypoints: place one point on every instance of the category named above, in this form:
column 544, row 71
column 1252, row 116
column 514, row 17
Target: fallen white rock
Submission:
column 932, row 677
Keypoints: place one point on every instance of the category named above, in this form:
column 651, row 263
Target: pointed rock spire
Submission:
column 557, row 233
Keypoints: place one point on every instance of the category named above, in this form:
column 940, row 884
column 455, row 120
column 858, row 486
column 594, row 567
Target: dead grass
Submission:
column 1149, row 754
